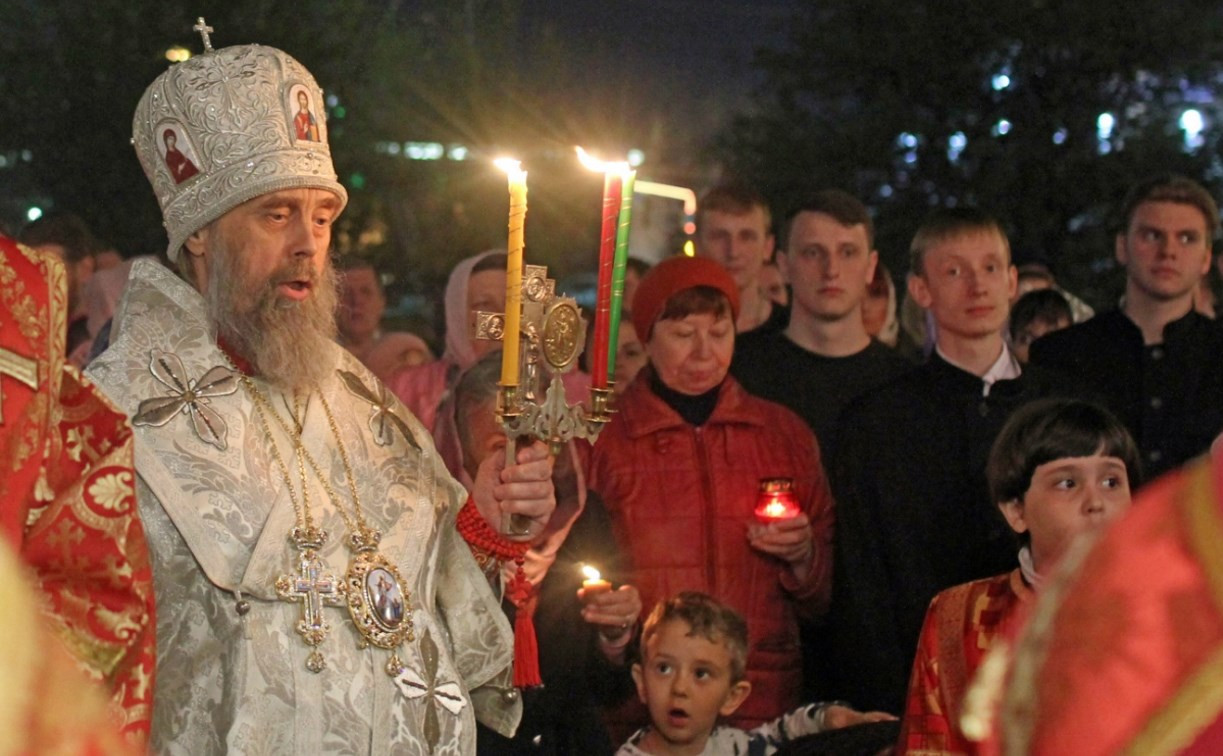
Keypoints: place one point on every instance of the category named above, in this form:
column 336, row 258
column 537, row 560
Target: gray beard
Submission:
column 286, row 342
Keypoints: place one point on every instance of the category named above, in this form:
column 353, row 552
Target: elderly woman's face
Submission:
column 1068, row 497
column 692, row 354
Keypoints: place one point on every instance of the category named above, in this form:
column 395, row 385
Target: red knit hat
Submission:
column 670, row 277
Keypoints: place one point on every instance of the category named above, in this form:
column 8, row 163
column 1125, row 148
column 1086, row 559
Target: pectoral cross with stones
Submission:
column 204, row 30
column 19, row 368
column 314, row 589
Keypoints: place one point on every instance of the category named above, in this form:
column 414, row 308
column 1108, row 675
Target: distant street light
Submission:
column 1193, row 123
column 1105, row 124
column 177, row 54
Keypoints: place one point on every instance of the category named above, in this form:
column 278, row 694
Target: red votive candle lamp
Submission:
column 776, row 501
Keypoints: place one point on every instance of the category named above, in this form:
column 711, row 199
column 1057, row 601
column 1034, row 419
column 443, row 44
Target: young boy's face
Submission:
column 967, row 284
column 685, row 682
column 1068, row 497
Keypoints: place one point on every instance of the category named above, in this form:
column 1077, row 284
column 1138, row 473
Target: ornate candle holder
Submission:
column 553, row 336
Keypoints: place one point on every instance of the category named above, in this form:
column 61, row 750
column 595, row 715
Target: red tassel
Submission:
column 526, row 647
column 521, row 593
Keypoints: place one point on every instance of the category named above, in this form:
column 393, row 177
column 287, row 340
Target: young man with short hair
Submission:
column 824, row 358
column 735, row 229
column 909, row 469
column 1155, row 361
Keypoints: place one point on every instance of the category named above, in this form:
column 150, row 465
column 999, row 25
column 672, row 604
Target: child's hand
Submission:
column 837, row 716
column 789, row 540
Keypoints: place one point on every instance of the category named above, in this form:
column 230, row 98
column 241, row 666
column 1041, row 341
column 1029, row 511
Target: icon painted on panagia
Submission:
column 177, row 153
column 306, row 127
column 386, row 597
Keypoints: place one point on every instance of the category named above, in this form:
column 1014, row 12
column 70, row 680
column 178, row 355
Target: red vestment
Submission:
column 67, row 498
column 960, row 627
column 1124, row 650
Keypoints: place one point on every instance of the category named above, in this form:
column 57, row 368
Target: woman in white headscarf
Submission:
column 476, row 284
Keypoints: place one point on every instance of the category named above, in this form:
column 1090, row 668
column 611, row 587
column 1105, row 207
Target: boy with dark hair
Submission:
column 693, row 670
column 1155, row 361
column 1059, row 468
column 1035, row 314
column 908, row 475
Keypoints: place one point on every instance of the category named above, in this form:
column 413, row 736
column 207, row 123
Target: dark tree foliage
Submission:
column 71, row 74
column 869, row 95
column 473, row 73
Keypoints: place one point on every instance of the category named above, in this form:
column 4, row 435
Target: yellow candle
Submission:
column 594, row 582
column 513, row 270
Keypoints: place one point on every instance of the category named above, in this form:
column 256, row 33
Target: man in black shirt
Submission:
column 734, row 228
column 1156, row 362
column 824, row 357
column 914, row 515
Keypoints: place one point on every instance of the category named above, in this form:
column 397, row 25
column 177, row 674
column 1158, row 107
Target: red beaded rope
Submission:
column 479, row 535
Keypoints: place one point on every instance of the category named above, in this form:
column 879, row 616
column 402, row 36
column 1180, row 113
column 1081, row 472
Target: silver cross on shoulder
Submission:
column 204, row 30
column 187, row 396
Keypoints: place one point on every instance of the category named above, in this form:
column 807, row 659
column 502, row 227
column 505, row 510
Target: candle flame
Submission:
column 594, row 164
column 775, row 508
column 509, row 165
column 590, row 573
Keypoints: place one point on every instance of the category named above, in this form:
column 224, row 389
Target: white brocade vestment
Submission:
column 218, row 524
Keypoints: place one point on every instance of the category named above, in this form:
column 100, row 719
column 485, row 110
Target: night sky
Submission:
column 700, row 51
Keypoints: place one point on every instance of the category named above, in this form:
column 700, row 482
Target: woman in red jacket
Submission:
column 679, row 468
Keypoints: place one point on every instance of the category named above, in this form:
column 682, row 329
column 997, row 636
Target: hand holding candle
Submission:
column 614, row 611
column 782, row 528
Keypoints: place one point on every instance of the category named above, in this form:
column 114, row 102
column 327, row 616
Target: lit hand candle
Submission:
column 513, row 270
column 593, row 582
column 615, row 612
column 776, row 501
column 782, row 528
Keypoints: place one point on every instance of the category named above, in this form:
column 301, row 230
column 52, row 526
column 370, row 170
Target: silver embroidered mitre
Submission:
column 226, row 126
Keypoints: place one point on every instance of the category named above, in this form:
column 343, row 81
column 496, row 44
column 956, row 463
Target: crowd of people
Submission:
column 297, row 540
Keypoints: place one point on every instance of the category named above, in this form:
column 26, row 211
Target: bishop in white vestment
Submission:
column 313, row 594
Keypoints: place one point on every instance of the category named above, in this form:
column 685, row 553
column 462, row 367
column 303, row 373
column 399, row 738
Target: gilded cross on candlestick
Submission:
column 19, row 368
column 204, row 30
column 553, row 335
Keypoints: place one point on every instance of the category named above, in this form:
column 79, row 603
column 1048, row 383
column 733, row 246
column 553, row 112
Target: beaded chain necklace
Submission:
column 372, row 588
